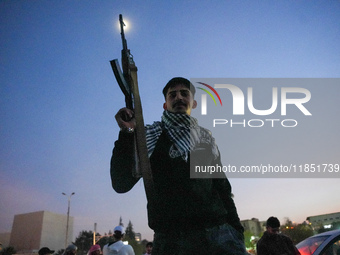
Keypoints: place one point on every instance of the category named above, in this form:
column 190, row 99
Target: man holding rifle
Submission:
column 189, row 216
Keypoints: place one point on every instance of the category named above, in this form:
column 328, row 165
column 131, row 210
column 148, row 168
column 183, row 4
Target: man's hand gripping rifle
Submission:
column 128, row 83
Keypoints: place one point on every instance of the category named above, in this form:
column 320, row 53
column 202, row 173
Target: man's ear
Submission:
column 194, row 105
column 164, row 106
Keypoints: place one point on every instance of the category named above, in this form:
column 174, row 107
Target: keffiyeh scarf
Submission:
column 183, row 131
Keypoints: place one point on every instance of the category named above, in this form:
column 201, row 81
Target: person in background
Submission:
column 273, row 242
column 71, row 250
column 94, row 250
column 117, row 247
column 45, row 251
column 148, row 248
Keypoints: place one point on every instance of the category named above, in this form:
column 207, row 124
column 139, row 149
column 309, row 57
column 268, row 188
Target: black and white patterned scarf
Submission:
column 183, row 131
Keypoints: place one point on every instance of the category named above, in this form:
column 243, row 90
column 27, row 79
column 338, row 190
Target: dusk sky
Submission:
column 59, row 97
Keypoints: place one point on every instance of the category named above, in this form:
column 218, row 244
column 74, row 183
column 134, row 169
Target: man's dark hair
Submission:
column 118, row 234
column 149, row 244
column 178, row 80
column 273, row 222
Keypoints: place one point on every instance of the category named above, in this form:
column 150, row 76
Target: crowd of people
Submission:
column 70, row 250
column 116, row 247
column 272, row 242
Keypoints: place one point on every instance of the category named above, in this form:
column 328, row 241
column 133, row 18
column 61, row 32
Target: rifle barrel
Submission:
column 122, row 24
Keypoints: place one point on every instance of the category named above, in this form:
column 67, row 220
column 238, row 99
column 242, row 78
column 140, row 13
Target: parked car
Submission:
column 327, row 243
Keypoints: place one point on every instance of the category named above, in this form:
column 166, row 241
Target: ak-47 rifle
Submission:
column 128, row 83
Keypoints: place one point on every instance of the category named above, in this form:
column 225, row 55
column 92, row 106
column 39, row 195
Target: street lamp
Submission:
column 68, row 215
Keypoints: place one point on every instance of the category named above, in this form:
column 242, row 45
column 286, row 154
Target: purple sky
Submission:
column 59, row 97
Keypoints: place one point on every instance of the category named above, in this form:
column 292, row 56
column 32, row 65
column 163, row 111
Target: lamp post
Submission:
column 94, row 234
column 68, row 215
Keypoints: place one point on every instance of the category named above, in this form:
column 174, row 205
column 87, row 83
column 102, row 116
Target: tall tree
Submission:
column 121, row 221
column 297, row 232
column 130, row 237
column 129, row 231
column 84, row 241
column 249, row 240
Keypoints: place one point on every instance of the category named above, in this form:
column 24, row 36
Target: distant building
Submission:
column 138, row 237
column 253, row 225
column 31, row 231
column 324, row 219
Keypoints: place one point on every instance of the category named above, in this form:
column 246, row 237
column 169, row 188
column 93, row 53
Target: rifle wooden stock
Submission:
column 142, row 150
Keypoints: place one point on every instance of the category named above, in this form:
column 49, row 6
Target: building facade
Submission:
column 253, row 225
column 31, row 231
column 323, row 220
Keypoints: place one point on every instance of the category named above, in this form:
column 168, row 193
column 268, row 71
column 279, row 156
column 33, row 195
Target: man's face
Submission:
column 148, row 249
column 179, row 99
